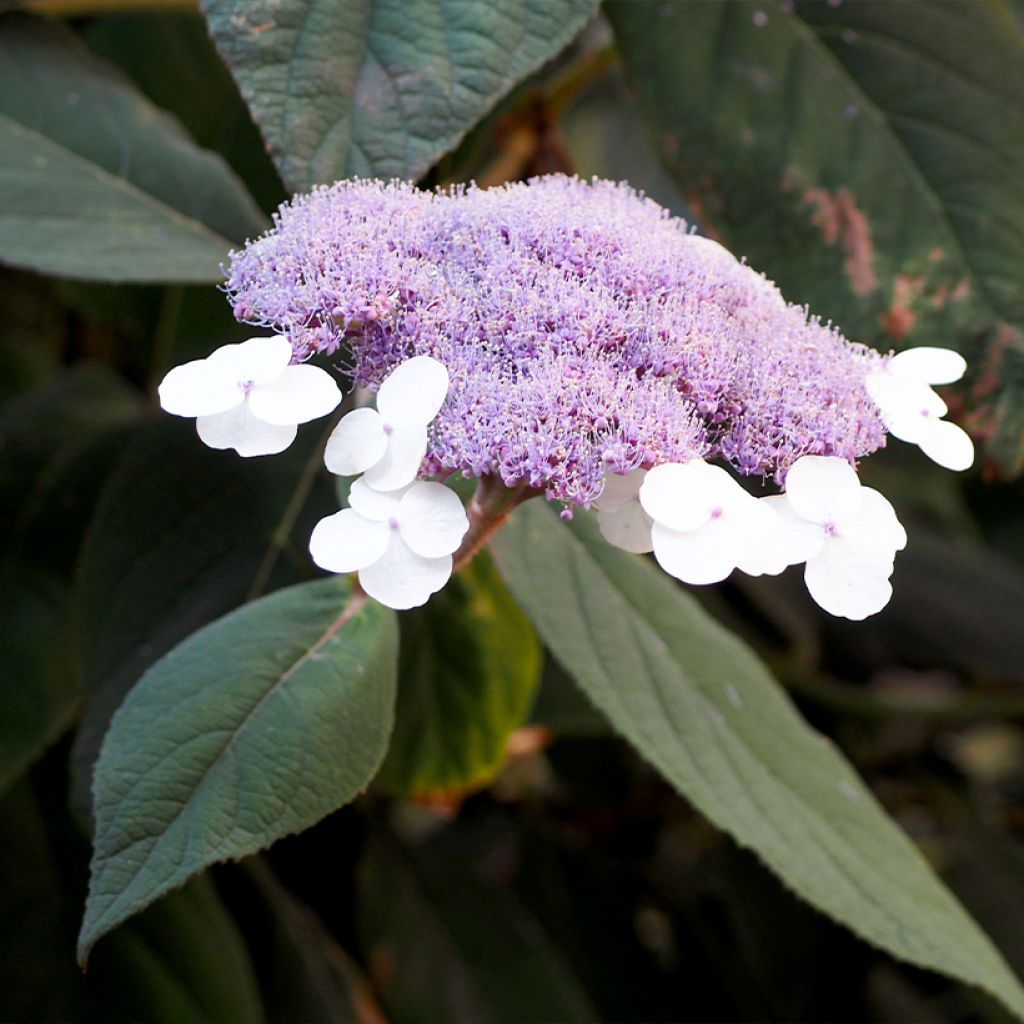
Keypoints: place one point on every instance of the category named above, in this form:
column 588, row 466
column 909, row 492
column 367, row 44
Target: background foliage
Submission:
column 565, row 789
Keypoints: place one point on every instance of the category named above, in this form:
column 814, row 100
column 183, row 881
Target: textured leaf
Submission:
column 867, row 156
column 444, row 946
column 380, row 88
column 95, row 181
column 255, row 727
column 697, row 703
column 181, row 536
column 469, row 668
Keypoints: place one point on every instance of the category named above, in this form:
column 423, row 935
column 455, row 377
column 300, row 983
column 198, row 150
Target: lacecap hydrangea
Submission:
column 570, row 339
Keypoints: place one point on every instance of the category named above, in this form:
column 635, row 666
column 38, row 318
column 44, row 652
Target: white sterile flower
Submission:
column 388, row 444
column 847, row 534
column 620, row 515
column 913, row 412
column 706, row 525
column 248, row 396
column 400, row 542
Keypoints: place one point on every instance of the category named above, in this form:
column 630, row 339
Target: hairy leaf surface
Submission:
column 380, row 88
column 257, row 726
column 697, row 703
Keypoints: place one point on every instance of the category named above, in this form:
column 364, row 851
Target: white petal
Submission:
column 431, row 520
column 199, row 389
column 843, row 584
column 907, row 407
column 239, row 429
column 945, row 443
column 764, row 549
column 823, row 489
column 414, row 392
column 356, row 443
column 298, row 394
column 401, row 578
column 877, row 525
column 345, row 541
column 401, row 462
column 258, row 360
column 682, row 496
column 621, row 488
column 800, row 539
column 627, row 526
column 380, row 506
column 928, row 365
column 704, row 555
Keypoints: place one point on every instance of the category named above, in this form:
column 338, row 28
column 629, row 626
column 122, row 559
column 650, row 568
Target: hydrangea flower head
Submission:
column 567, row 338
column 582, row 327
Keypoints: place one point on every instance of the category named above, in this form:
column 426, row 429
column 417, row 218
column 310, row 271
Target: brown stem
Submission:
column 491, row 505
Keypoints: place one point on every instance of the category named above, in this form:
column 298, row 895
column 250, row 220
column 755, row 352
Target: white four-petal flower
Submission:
column 388, row 444
column 621, row 517
column 847, row 534
column 248, row 396
column 400, row 542
column 912, row 411
column 706, row 525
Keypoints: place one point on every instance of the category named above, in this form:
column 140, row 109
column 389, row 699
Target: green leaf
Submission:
column 184, row 959
column 96, row 182
column 469, row 669
column 45, row 429
column 59, row 441
column 39, row 695
column 380, row 88
column 170, row 56
column 698, row 704
column 443, row 945
column 255, row 727
column 866, row 156
column 304, row 974
column 181, row 536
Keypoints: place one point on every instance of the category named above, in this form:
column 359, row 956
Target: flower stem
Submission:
column 491, row 505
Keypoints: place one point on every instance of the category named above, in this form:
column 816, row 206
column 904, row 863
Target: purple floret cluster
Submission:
column 583, row 328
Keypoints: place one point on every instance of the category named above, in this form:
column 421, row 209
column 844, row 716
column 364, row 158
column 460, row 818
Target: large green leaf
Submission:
column 181, row 536
column 469, row 669
column 170, row 56
column 59, row 441
column 700, row 706
column 380, row 88
column 867, row 156
column 255, row 727
column 182, row 960
column 444, row 945
column 96, row 182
